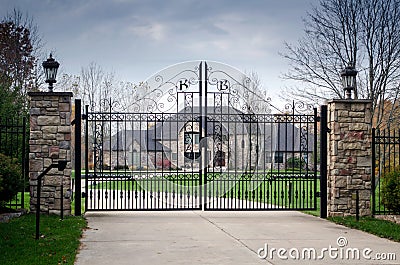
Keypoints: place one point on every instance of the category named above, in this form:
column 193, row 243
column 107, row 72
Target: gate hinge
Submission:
column 318, row 118
column 83, row 117
column 318, row 194
column 83, row 194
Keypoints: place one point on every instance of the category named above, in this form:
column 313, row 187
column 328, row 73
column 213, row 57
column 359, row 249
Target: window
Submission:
column 219, row 159
column 305, row 157
column 192, row 138
column 135, row 158
column 188, row 138
column 278, row 157
column 196, row 138
column 268, row 157
column 191, row 155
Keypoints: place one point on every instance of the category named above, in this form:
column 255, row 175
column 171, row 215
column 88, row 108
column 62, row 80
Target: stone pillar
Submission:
column 50, row 141
column 349, row 156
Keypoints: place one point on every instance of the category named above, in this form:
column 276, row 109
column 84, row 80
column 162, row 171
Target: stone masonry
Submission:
column 349, row 157
column 50, row 141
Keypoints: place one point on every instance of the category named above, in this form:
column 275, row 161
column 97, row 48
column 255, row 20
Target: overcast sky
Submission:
column 137, row 38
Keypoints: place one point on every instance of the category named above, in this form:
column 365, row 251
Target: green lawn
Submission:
column 58, row 244
column 317, row 211
column 17, row 200
column 27, row 203
column 371, row 225
column 82, row 206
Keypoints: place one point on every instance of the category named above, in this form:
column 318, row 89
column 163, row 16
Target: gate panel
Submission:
column 132, row 170
column 258, row 160
column 147, row 159
column 200, row 139
column 270, row 167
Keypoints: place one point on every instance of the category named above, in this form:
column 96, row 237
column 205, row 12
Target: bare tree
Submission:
column 91, row 85
column 127, row 95
column 337, row 32
column 101, row 91
column 98, row 89
column 255, row 94
column 69, row 83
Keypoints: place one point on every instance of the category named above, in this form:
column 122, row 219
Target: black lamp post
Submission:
column 50, row 68
column 349, row 79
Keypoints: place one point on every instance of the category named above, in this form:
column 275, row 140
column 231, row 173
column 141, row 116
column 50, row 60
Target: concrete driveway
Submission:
column 196, row 237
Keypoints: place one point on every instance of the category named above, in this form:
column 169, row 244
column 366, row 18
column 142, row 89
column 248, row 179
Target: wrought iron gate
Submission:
column 201, row 138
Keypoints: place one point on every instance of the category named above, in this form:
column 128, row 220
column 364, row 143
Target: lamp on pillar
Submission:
column 50, row 68
column 349, row 79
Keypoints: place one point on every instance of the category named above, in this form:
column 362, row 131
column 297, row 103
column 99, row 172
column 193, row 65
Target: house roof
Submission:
column 225, row 120
column 271, row 135
column 277, row 136
column 126, row 138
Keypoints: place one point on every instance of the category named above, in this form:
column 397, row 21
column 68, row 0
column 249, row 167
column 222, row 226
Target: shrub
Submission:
column 123, row 167
column 295, row 162
column 390, row 190
column 11, row 181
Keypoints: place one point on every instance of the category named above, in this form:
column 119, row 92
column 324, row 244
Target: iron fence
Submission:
column 385, row 159
column 14, row 143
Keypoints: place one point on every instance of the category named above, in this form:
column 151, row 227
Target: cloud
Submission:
column 151, row 30
column 136, row 38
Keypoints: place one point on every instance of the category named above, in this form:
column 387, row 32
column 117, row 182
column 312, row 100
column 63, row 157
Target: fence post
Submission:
column 324, row 161
column 373, row 172
column 78, row 154
column 24, row 160
column 86, row 155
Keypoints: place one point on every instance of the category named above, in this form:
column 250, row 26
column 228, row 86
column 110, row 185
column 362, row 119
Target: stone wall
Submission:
column 50, row 141
column 349, row 156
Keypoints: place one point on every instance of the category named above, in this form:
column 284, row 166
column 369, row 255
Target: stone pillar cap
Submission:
column 44, row 94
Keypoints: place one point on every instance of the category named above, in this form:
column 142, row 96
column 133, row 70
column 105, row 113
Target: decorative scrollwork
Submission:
column 299, row 107
column 244, row 94
column 98, row 145
column 167, row 90
column 304, row 140
column 188, row 102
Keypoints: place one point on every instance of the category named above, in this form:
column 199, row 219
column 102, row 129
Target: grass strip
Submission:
column 58, row 243
column 381, row 228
